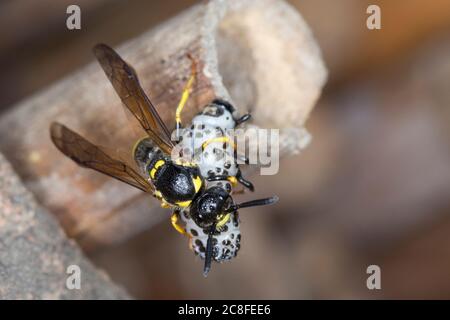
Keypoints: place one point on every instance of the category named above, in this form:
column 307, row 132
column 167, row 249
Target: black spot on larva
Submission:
column 198, row 243
column 180, row 138
column 228, row 118
column 225, row 228
column 238, row 238
column 202, row 126
column 225, row 172
column 187, row 151
column 185, row 214
column 232, row 236
column 227, row 165
column 218, row 169
column 228, row 187
column 238, row 246
column 219, row 155
column 224, row 242
column 192, row 127
column 210, row 173
column 194, row 232
column 198, row 151
column 224, row 145
column 201, row 248
column 214, row 241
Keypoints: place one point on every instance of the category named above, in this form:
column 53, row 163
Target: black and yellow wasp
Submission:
column 199, row 198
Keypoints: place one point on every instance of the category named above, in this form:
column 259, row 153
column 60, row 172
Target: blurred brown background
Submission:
column 372, row 188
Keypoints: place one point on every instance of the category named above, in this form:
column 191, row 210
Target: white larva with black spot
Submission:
column 216, row 158
column 226, row 243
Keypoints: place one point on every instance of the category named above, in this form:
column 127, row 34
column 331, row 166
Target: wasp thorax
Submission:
column 209, row 207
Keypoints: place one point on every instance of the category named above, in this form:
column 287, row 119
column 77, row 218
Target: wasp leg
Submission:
column 242, row 158
column 186, row 92
column 174, row 219
column 243, row 119
column 223, row 139
column 244, row 182
column 231, row 179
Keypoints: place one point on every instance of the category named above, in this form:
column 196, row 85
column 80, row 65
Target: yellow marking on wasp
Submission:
column 184, row 163
column 232, row 180
column 219, row 139
column 158, row 194
column 176, row 224
column 164, row 203
column 158, row 164
column 197, row 183
column 184, row 204
column 223, row 220
column 185, row 95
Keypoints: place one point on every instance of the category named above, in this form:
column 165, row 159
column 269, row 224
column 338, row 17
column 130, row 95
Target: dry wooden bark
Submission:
column 258, row 54
column 35, row 253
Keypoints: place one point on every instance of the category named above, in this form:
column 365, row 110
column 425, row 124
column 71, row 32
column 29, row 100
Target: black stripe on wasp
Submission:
column 179, row 185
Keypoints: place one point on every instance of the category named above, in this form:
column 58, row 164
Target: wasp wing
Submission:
column 91, row 156
column 126, row 83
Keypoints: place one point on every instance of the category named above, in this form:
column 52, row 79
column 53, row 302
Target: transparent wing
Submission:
column 91, row 156
column 126, row 83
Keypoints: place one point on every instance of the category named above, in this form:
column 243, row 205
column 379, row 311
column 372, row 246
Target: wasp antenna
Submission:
column 209, row 252
column 254, row 203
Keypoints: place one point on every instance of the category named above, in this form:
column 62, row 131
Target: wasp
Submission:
column 199, row 194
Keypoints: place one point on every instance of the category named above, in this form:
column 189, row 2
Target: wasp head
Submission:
column 210, row 207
